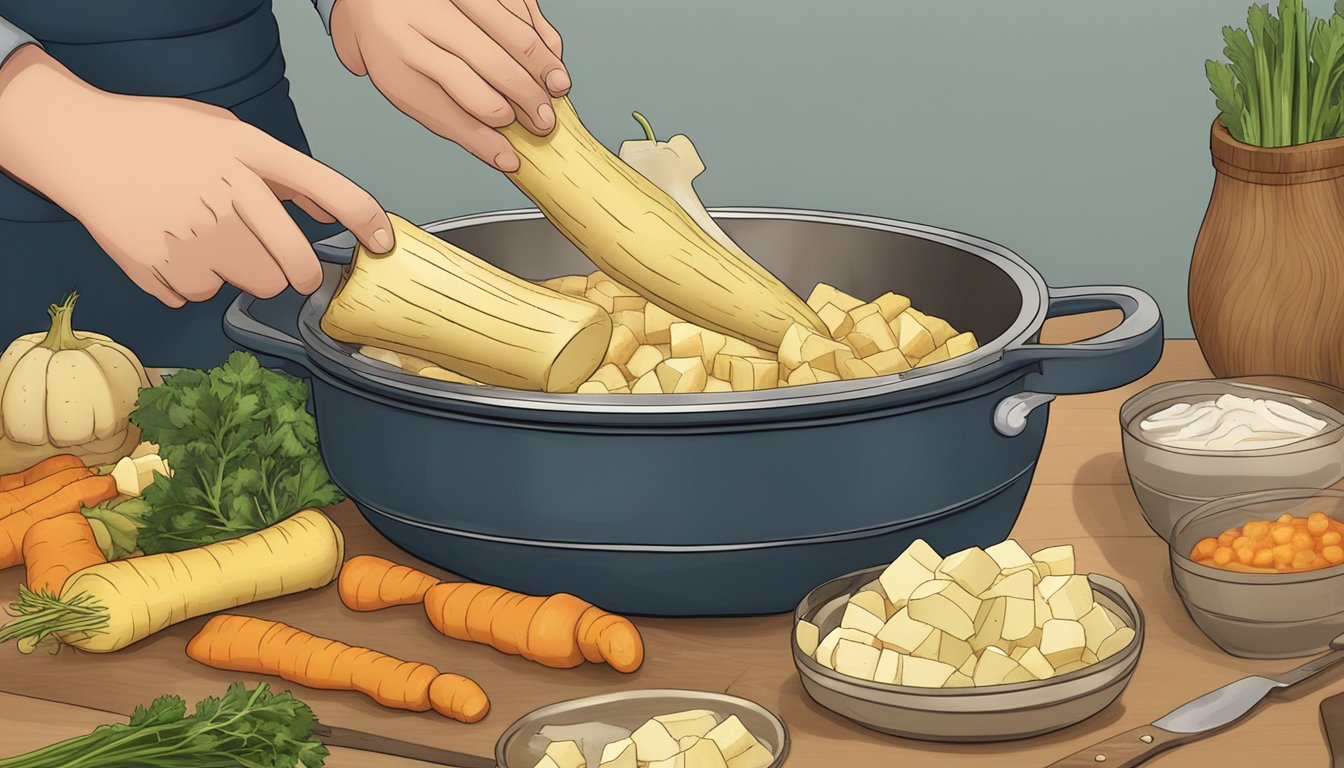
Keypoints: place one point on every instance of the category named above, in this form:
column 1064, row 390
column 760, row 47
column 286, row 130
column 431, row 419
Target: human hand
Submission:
column 460, row 67
column 183, row 196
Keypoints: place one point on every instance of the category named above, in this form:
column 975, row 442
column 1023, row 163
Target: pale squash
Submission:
column 67, row 391
column 643, row 239
column 432, row 300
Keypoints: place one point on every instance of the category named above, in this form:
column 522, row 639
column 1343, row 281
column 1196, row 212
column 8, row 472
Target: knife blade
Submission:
column 1332, row 720
column 335, row 736
column 337, row 249
column 1198, row 718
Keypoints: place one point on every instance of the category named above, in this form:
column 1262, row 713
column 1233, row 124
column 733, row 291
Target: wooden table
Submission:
column 1081, row 496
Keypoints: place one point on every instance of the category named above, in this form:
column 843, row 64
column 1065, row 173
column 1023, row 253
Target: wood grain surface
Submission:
column 1081, row 496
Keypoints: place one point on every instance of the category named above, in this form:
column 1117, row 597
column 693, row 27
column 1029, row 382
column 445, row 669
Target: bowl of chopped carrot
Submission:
column 1262, row 574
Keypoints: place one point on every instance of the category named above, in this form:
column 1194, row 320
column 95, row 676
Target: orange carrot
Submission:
column 370, row 583
column 56, row 548
column 17, row 499
column 557, row 631
column 44, row 468
column 87, row 492
column 261, row 647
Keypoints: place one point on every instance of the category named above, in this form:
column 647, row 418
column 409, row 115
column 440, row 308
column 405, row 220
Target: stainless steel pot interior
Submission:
column 974, row 284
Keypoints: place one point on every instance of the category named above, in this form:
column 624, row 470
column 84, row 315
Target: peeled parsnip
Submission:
column 644, row 240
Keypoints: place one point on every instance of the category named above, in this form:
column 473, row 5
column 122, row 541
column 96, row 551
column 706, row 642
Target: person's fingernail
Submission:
column 545, row 117
column 558, row 81
column 506, row 162
column 383, row 239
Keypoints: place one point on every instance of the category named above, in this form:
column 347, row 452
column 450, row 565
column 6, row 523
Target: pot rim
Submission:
column 1299, row 163
column 338, row 359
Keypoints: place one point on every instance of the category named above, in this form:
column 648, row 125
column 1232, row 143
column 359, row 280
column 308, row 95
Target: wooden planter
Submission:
column 1267, row 276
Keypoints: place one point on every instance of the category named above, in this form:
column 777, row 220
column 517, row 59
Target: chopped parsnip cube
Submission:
column 1018, row 585
column 566, row 754
column 938, row 328
column 610, row 376
column 653, row 742
column 628, row 304
column 1010, row 556
column 967, row 667
column 837, row 320
column 1062, row 642
column 999, row 669
column 681, row 375
column 903, row 634
column 901, row 578
column 989, row 623
column 1070, row 597
column 632, row 320
column 808, row 637
column 873, row 601
column 443, row 374
column 857, row 617
column 801, row 345
column 971, row 568
column 619, row 754
column 862, row 344
column 856, row 659
column 1097, row 626
column 924, row 554
column 888, row 667
column 925, row 673
column 1056, row 561
column 643, row 360
column 825, row 654
column 692, row 722
column 803, row 374
column 1033, row 638
column 953, row 651
column 854, row 368
column 751, row 373
column 891, row 361
column 946, row 606
column 866, row 309
column 593, row 388
column 961, row 344
column 690, row 340
column 1035, row 662
column 647, row 385
column 913, row 339
column 739, row 348
column 622, row 345
column 1019, row 618
column 595, row 277
column 959, row 679
column 891, row 305
column 1117, row 642
column 658, row 325
column 824, row 294
column 735, row 741
column 604, row 292
column 715, row 384
column 876, row 330
column 938, row 355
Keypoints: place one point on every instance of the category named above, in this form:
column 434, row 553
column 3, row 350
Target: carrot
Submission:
column 559, row 631
column 56, row 548
column 23, row 496
column 87, row 492
column 374, row 583
column 261, row 647
column 109, row 606
column 44, row 468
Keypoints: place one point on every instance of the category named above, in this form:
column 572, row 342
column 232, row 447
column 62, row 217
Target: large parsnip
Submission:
column 643, row 239
column 433, row 300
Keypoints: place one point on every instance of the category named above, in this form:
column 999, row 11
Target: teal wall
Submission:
column 1072, row 131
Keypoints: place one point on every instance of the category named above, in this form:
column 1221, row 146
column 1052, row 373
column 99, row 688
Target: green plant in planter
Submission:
column 1281, row 83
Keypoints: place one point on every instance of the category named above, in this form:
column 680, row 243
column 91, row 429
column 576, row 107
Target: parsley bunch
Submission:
column 243, row 450
column 243, row 728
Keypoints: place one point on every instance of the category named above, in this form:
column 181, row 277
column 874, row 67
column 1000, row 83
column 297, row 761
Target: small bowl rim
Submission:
column 515, row 729
column 1235, row 501
column 1127, row 655
column 1128, row 418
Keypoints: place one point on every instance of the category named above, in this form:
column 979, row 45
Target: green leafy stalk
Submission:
column 243, row 450
column 1281, row 84
column 256, row 728
column 39, row 615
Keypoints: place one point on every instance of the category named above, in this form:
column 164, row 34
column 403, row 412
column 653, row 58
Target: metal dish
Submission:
column 714, row 503
column 1259, row 615
column 990, row 713
column 1170, row 482
column 519, row 747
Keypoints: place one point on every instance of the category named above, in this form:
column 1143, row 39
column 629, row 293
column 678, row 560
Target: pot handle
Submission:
column 242, row 326
column 1117, row 357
